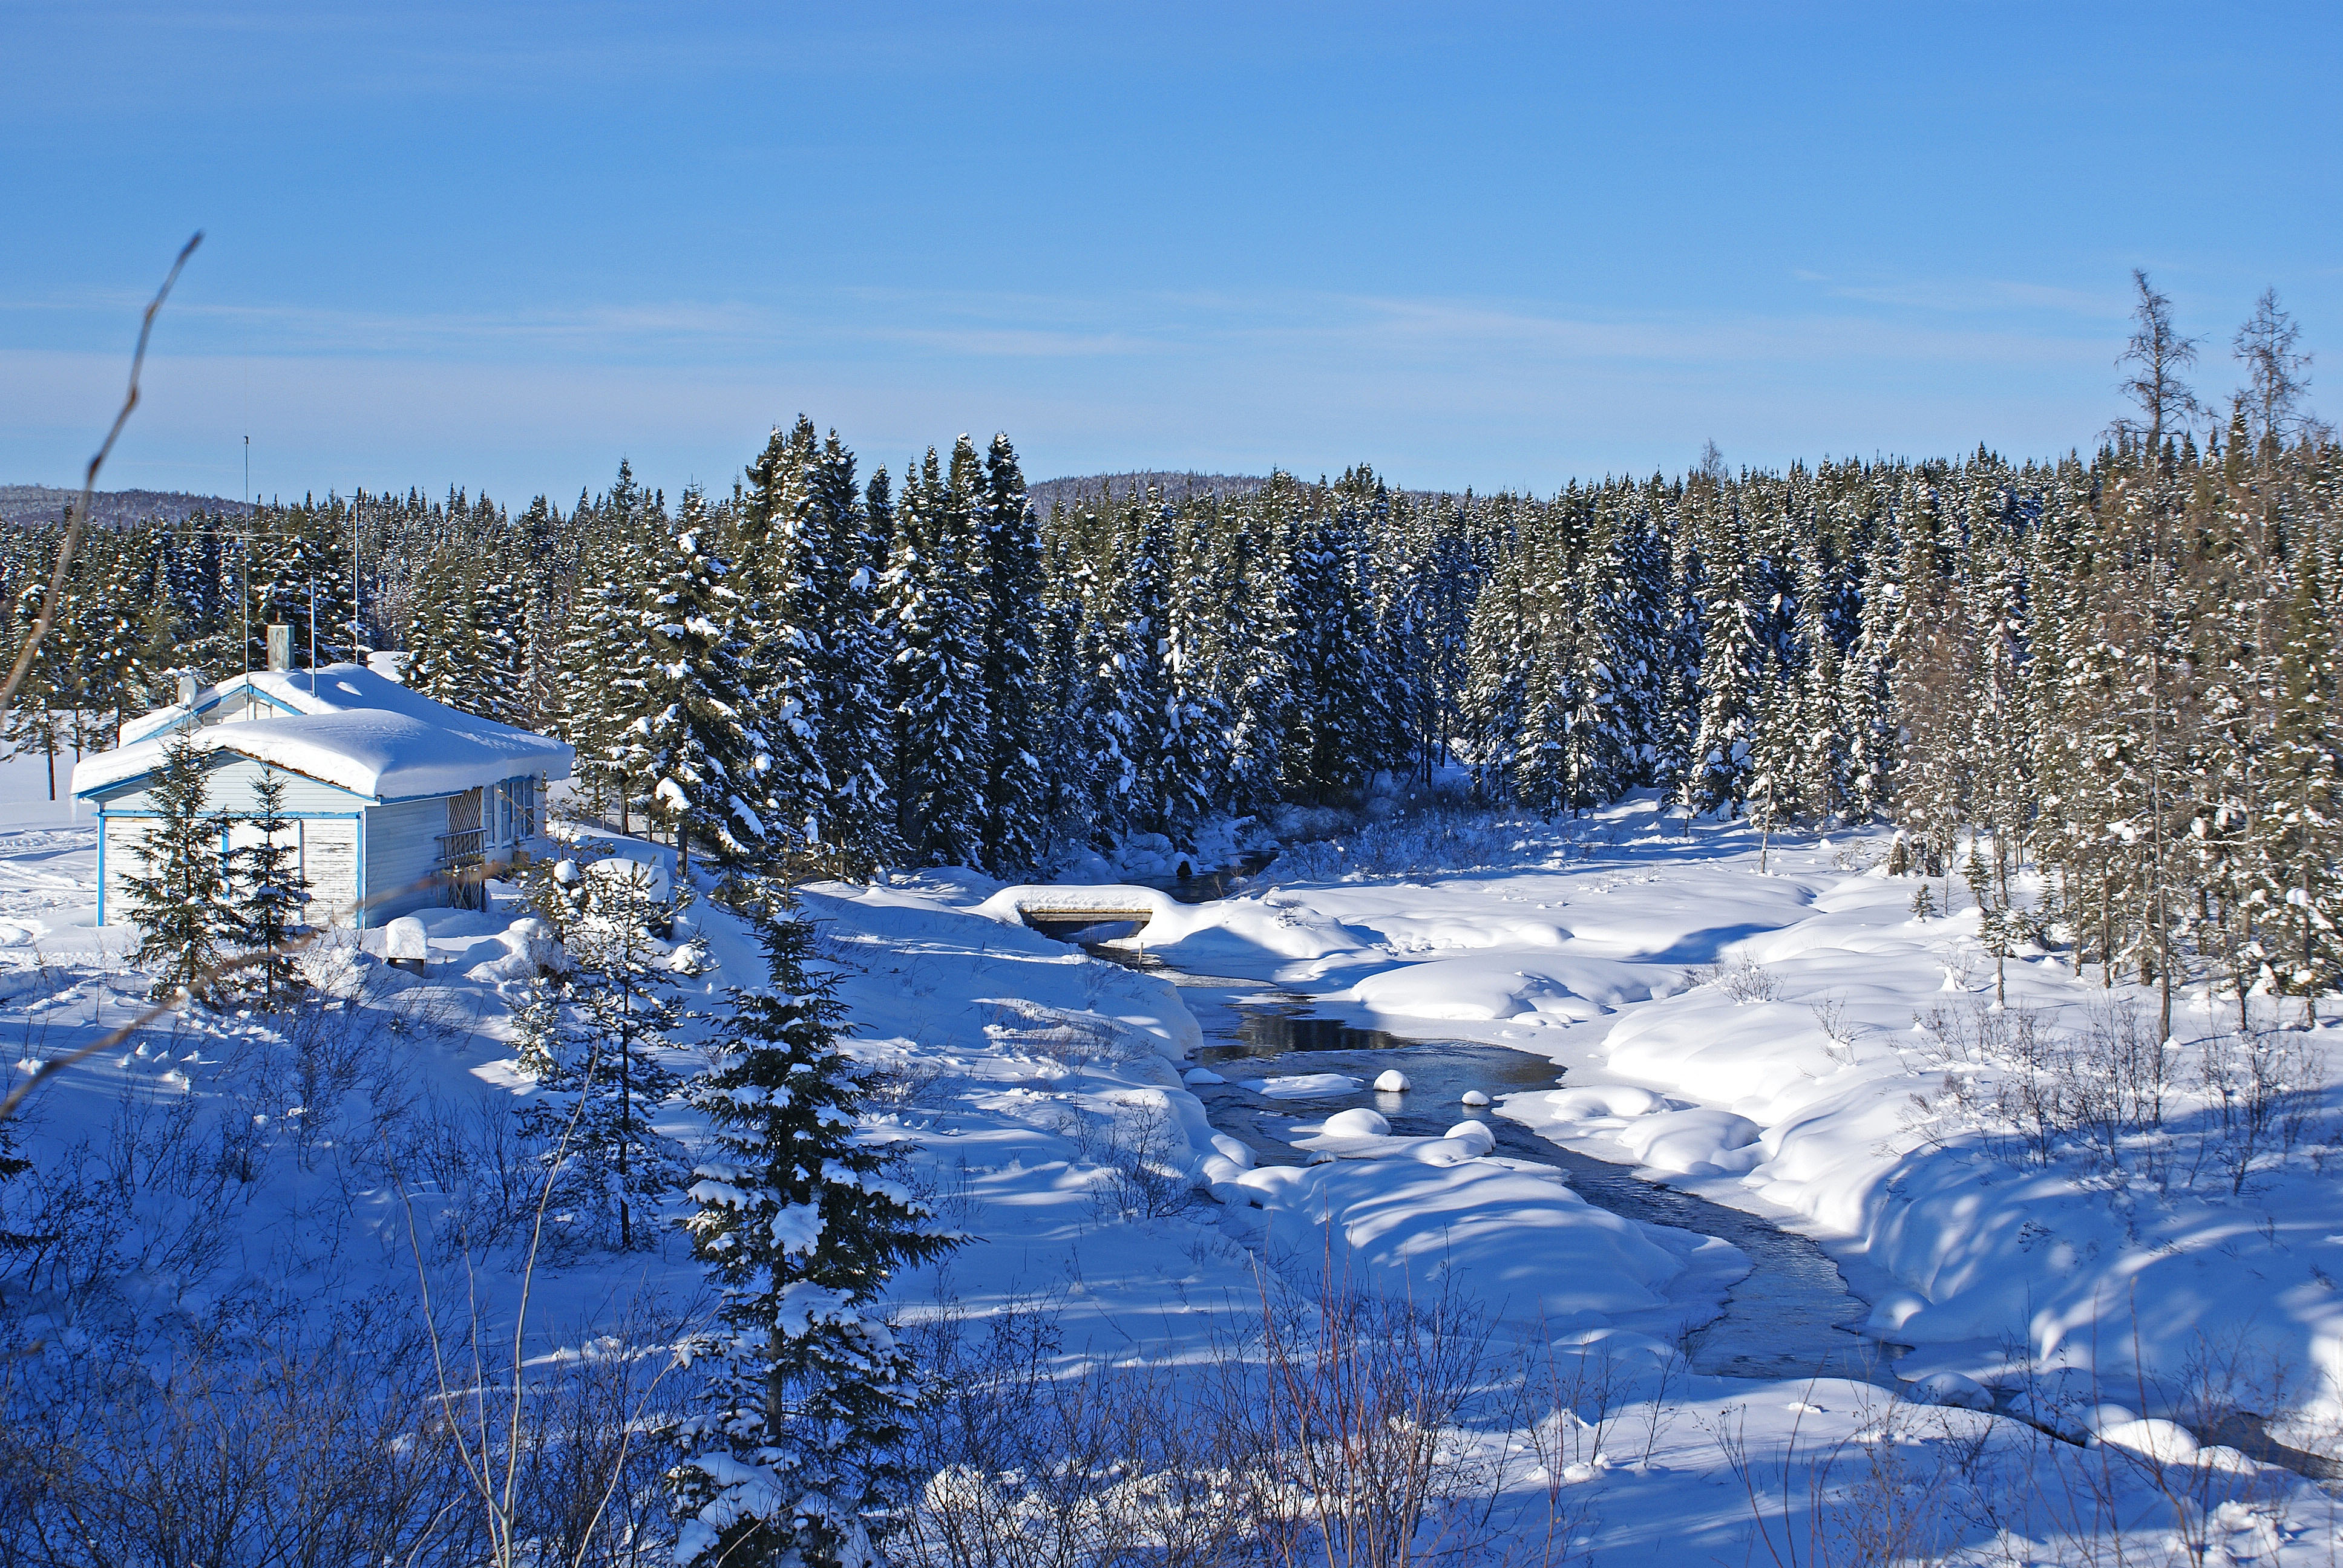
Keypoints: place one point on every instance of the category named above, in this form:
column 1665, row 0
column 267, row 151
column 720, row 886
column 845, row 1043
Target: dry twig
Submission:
column 79, row 514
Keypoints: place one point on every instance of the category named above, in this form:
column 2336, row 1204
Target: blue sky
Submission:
column 498, row 245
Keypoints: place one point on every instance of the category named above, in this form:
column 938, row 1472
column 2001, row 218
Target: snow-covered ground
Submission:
column 1748, row 1035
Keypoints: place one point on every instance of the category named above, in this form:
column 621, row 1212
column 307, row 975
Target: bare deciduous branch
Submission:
column 79, row 514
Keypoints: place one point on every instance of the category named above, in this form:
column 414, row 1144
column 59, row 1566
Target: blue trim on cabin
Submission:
column 213, row 757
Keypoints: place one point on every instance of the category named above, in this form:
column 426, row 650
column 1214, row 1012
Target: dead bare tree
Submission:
column 2156, row 354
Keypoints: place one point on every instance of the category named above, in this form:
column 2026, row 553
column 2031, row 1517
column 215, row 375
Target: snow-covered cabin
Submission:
column 386, row 789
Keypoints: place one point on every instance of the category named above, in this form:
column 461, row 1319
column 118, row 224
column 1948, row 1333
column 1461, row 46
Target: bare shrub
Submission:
column 1319, row 861
column 2261, row 1089
column 902, row 1082
column 1743, row 979
column 1330, row 1433
column 1875, row 1496
column 1433, row 841
column 1068, row 1039
column 285, row 1445
column 2035, row 1095
column 1838, row 1027
column 487, row 1169
column 1140, row 1152
column 1363, row 1394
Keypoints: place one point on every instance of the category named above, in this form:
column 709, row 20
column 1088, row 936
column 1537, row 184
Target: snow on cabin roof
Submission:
column 347, row 726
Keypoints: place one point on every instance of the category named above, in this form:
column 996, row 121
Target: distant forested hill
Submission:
column 33, row 504
column 1176, row 486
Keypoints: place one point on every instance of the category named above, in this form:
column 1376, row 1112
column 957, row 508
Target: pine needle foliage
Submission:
column 178, row 897
column 801, row 1223
column 271, row 895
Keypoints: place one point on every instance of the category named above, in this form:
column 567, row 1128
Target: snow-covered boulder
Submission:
column 1473, row 1132
column 1302, row 1085
column 1392, row 1082
column 1359, row 1122
column 530, row 949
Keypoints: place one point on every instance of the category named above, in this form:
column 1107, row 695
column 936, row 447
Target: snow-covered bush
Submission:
column 1333, row 1432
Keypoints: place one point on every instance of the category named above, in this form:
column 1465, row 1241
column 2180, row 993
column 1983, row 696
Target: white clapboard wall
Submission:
column 329, row 847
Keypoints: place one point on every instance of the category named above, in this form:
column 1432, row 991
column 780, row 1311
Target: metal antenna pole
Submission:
column 313, row 636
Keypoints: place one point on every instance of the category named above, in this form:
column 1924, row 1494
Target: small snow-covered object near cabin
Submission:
column 530, row 949
column 405, row 942
column 1393, row 1082
column 1475, row 1096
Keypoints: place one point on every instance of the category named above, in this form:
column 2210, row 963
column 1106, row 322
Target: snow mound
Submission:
column 1700, row 1142
column 1302, row 1085
column 1517, row 1237
column 1482, row 989
column 1393, row 1082
column 1473, row 1132
column 1360, row 1122
column 2164, row 1442
column 1605, row 1099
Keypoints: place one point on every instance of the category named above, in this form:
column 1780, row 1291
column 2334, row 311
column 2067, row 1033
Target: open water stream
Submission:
column 1792, row 1316
column 1784, row 1320
column 1788, row 1317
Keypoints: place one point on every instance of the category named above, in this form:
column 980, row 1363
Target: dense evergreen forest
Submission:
column 2118, row 671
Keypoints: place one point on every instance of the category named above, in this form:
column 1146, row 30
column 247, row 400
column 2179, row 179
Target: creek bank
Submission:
column 1791, row 1316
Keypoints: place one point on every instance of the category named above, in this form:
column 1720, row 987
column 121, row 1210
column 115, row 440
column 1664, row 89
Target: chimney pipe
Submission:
column 280, row 645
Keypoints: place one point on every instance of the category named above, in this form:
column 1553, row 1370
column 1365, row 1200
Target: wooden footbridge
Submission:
column 1082, row 923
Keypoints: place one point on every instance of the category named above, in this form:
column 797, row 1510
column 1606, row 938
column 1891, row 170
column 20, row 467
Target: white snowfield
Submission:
column 1048, row 1100
column 1784, row 1084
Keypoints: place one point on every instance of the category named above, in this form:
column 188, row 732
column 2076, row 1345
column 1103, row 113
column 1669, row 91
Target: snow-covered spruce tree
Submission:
column 624, row 1008
column 801, row 1226
column 270, row 895
column 1009, row 560
column 178, row 897
column 695, row 746
column 930, row 602
column 592, row 710
column 1336, row 730
column 444, row 633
